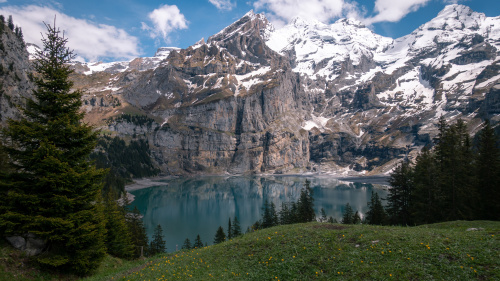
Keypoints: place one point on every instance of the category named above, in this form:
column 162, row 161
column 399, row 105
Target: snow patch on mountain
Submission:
column 316, row 122
column 246, row 81
column 411, row 91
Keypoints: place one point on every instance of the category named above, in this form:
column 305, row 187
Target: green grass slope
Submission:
column 317, row 251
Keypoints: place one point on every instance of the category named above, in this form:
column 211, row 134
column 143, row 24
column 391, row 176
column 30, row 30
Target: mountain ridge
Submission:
column 309, row 97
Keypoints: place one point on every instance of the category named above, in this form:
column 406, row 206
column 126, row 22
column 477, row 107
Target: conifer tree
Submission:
column 118, row 240
column 53, row 190
column 197, row 242
column 323, row 218
column 285, row 215
column 269, row 216
column 236, row 227
column 455, row 163
column 220, row 236
column 347, row 217
column 305, row 205
column 187, row 244
column 10, row 23
column 376, row 213
column 488, row 173
column 229, row 230
column 399, row 197
column 157, row 244
column 21, row 37
column 427, row 193
column 356, row 219
column 137, row 230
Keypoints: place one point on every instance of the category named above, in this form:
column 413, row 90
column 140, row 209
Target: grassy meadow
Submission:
column 317, row 251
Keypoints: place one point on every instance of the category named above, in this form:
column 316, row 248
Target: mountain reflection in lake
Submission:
column 190, row 206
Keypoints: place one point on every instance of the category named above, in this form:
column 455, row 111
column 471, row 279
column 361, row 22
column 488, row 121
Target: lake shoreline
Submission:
column 155, row 181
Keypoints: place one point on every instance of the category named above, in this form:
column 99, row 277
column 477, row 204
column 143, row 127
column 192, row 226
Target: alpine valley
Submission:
column 308, row 97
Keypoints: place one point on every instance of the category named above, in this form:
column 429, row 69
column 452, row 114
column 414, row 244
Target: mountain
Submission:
column 319, row 50
column 309, row 97
column 15, row 74
column 389, row 93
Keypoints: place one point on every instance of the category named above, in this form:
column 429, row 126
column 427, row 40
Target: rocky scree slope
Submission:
column 308, row 97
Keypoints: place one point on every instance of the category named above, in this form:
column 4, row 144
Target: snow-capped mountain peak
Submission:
column 456, row 17
column 319, row 47
column 245, row 25
column 310, row 94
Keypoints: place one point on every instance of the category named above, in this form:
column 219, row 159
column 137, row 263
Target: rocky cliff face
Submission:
column 15, row 73
column 308, row 97
column 228, row 105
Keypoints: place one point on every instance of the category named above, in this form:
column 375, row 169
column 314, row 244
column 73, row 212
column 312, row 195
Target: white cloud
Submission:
column 165, row 20
column 282, row 11
column 453, row 1
column 223, row 4
column 3, row 1
column 89, row 41
column 394, row 10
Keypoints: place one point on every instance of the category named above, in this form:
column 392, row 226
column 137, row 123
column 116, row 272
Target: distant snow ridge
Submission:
column 163, row 52
column 317, row 47
column 450, row 42
column 140, row 64
column 450, row 27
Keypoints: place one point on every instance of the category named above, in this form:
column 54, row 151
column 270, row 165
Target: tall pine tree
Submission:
column 488, row 173
column 427, row 193
column 305, row 204
column 356, row 219
column 285, row 215
column 197, row 242
column 137, row 232
column 53, row 190
column 118, row 239
column 348, row 216
column 399, row 197
column 269, row 215
column 323, row 217
column 220, row 236
column 187, row 244
column 10, row 23
column 376, row 213
column 236, row 227
column 157, row 245
column 456, row 178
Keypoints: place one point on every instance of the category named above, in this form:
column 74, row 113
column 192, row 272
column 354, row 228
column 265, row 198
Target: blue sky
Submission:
column 109, row 30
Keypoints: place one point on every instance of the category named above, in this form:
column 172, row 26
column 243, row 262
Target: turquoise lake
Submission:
column 185, row 207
